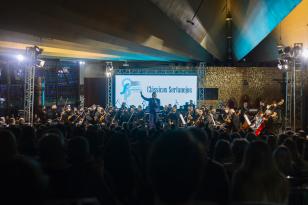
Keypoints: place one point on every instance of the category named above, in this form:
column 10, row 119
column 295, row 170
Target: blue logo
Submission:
column 129, row 86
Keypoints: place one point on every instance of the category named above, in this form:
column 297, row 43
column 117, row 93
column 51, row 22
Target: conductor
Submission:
column 154, row 105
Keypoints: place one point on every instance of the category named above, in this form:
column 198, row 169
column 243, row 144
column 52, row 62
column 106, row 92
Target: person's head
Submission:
column 222, row 151
column 78, row 150
column 27, row 142
column 245, row 104
column 22, row 182
column 54, row 107
column 12, row 121
column 283, row 160
column 175, row 167
column 51, row 149
column 257, row 158
column 154, row 95
column 8, row 146
column 238, row 148
column 271, row 141
column 201, row 136
column 174, row 108
column 281, row 138
column 291, row 145
column 139, row 108
column 235, row 135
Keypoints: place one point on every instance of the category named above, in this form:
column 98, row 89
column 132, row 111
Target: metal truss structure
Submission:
column 109, row 92
column 294, row 83
column 29, row 85
column 109, row 75
column 167, row 70
column 201, row 79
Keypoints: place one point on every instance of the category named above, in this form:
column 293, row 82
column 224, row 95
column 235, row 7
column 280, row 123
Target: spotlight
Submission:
column 108, row 74
column 38, row 50
column 125, row 64
column 40, row 63
column 82, row 62
column 305, row 53
column 285, row 66
column 20, row 58
column 229, row 16
column 279, row 66
column 109, row 66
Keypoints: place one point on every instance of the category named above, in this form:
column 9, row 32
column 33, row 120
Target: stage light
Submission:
column 20, row 58
column 109, row 66
column 38, row 50
column 40, row 63
column 108, row 74
column 229, row 16
column 305, row 53
column 279, row 66
column 125, row 64
column 82, row 63
column 286, row 66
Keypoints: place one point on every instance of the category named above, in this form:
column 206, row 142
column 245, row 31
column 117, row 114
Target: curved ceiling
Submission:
column 152, row 30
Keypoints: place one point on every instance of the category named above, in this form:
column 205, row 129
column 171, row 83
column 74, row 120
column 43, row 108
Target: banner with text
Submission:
column 170, row 89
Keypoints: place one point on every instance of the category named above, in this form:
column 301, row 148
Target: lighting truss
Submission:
column 31, row 55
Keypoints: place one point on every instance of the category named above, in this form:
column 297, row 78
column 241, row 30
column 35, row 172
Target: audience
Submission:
column 257, row 179
column 176, row 165
column 124, row 166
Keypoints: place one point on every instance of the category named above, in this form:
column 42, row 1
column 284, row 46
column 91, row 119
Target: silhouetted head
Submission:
column 238, row 148
column 201, row 136
column 22, row 182
column 282, row 138
column 8, row 146
column 257, row 157
column 51, row 149
column 78, row 150
column 154, row 95
column 283, row 160
column 222, row 151
column 291, row 145
column 175, row 167
column 27, row 142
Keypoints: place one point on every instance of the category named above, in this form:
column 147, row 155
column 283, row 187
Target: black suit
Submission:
column 154, row 106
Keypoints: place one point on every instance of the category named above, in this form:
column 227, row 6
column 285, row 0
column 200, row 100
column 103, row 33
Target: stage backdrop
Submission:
column 170, row 89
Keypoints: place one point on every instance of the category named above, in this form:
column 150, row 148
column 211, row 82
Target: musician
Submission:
column 235, row 119
column 190, row 116
column 140, row 113
column 200, row 117
column 154, row 105
column 123, row 106
column 67, row 114
column 278, row 119
column 99, row 114
column 262, row 106
column 43, row 115
column 191, row 103
column 174, row 117
column 244, row 111
column 212, row 117
column 124, row 115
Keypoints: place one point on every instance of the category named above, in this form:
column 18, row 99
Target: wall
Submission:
column 256, row 82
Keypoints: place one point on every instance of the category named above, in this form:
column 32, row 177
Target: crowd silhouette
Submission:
column 56, row 163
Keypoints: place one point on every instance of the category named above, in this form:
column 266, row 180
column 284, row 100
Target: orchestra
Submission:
column 265, row 118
